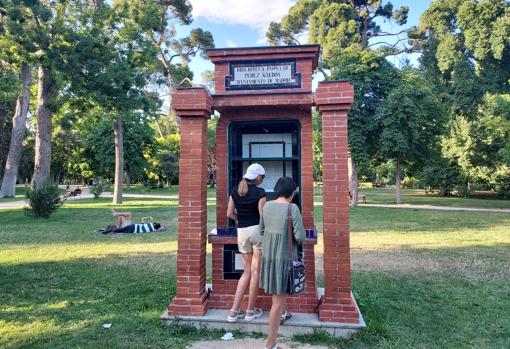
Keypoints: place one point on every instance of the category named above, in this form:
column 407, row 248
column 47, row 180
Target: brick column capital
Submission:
column 334, row 95
column 192, row 102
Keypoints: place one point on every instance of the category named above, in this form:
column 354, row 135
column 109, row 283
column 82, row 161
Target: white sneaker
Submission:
column 238, row 314
column 253, row 314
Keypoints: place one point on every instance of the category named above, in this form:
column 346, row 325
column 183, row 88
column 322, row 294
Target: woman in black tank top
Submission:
column 245, row 206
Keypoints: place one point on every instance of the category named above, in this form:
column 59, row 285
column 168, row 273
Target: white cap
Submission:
column 253, row 171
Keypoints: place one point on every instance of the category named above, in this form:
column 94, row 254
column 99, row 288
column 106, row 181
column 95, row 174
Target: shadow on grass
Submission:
column 63, row 304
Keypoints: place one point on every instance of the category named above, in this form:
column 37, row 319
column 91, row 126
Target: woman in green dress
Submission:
column 275, row 259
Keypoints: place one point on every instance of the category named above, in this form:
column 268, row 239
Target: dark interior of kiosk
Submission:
column 273, row 144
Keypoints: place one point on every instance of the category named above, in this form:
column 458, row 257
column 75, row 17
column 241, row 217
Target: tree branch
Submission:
column 405, row 50
column 173, row 56
column 390, row 34
column 323, row 72
column 388, row 44
column 295, row 40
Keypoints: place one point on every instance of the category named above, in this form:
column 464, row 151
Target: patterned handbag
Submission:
column 296, row 269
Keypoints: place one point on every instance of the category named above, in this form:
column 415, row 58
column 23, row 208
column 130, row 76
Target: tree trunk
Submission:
column 397, row 184
column 18, row 133
column 354, row 183
column 42, row 164
column 119, row 161
column 349, row 173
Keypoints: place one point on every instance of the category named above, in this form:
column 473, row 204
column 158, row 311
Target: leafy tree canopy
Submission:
column 412, row 120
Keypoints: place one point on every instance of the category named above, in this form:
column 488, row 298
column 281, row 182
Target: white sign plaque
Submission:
column 278, row 74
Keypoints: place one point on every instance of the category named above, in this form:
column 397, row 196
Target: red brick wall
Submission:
column 221, row 172
column 223, row 292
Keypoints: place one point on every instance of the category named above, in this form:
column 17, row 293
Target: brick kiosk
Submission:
column 264, row 97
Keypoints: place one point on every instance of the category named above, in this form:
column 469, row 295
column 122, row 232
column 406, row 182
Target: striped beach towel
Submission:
column 144, row 228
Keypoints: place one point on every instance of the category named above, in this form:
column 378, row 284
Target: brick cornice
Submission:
column 221, row 102
column 225, row 55
column 334, row 96
column 192, row 102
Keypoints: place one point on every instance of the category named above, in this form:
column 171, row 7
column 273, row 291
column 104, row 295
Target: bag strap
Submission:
column 289, row 231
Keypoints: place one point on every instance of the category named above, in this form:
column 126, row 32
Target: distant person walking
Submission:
column 245, row 206
column 275, row 259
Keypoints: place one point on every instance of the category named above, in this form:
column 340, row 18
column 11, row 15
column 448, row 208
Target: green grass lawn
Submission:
column 140, row 189
column 423, row 279
column 20, row 195
column 419, row 197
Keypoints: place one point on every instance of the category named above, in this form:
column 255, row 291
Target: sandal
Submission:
column 235, row 315
column 253, row 314
column 285, row 316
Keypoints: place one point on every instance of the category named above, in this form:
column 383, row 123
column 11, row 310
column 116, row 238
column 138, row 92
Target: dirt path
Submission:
column 86, row 195
column 441, row 208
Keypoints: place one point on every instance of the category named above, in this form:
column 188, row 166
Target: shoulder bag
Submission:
column 296, row 268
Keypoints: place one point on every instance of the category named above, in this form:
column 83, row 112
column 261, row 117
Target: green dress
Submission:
column 274, row 261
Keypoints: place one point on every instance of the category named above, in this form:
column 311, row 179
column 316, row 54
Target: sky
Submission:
column 243, row 23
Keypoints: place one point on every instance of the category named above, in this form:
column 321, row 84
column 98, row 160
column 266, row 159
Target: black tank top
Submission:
column 248, row 206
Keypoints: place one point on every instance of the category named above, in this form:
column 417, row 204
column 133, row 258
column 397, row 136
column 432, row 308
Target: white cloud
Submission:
column 262, row 40
column 230, row 43
column 256, row 14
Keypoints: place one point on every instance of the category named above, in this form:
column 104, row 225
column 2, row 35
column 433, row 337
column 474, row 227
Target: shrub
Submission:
column 502, row 182
column 97, row 189
column 43, row 201
column 446, row 176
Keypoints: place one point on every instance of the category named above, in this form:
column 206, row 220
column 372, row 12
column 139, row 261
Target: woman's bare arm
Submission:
column 230, row 209
column 262, row 202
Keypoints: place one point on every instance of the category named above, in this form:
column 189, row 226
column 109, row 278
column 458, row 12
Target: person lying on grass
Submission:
column 126, row 218
column 125, row 225
column 137, row 228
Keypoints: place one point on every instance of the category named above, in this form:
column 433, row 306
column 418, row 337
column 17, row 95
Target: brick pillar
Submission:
column 307, row 170
column 334, row 100
column 193, row 105
column 221, row 172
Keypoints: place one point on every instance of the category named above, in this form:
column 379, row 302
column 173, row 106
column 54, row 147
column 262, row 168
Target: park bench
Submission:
column 73, row 194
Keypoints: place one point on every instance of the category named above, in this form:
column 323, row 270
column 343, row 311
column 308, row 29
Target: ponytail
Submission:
column 242, row 188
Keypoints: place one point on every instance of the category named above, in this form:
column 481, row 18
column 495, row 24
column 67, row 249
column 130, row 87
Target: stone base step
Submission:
column 300, row 323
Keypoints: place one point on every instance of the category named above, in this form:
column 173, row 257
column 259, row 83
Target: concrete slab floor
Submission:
column 300, row 323
column 250, row 343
